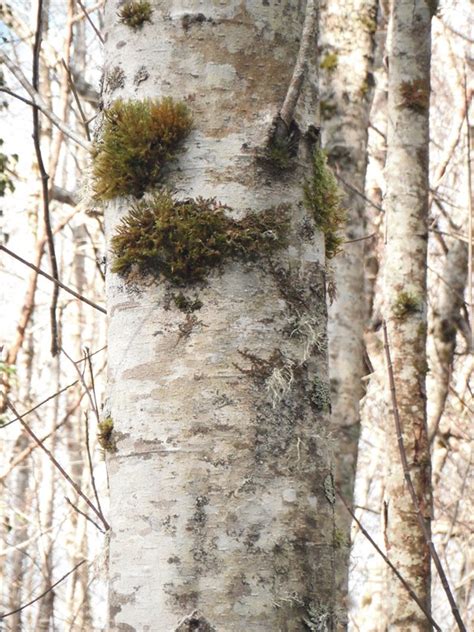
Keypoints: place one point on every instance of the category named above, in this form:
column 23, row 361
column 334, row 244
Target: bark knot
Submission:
column 195, row 622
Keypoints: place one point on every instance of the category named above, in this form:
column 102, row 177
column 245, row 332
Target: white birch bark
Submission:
column 406, row 206
column 221, row 493
column 347, row 38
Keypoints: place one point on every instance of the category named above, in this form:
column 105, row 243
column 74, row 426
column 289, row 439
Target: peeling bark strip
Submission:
column 406, row 206
column 221, row 488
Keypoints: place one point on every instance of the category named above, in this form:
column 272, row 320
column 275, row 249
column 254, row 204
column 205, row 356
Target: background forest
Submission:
column 55, row 437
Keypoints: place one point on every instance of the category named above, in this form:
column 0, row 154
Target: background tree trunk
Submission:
column 347, row 38
column 406, row 207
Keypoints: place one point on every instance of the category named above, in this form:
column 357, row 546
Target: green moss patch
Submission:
column 182, row 241
column 405, row 304
column 135, row 13
column 323, row 198
column 138, row 138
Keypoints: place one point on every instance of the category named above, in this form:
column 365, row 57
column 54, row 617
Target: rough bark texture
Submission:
column 347, row 36
column 406, row 206
column 221, row 490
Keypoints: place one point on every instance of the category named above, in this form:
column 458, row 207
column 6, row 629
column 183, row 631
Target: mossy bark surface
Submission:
column 221, row 485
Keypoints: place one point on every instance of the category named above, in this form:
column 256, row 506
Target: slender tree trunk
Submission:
column 347, row 38
column 221, row 488
column 406, row 206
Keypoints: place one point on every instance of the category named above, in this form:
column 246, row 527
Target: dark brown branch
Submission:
column 93, row 401
column 17, row 96
column 470, row 236
column 44, row 180
column 57, row 465
column 88, row 17
column 40, row 404
column 83, row 513
column 76, row 98
column 53, row 280
column 411, row 489
column 393, row 568
column 26, row 605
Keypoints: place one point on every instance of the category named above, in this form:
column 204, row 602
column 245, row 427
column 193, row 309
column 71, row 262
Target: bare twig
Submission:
column 53, row 280
column 357, row 192
column 93, row 400
column 39, row 103
column 57, row 464
column 44, row 181
column 310, row 28
column 43, row 594
column 351, row 241
column 411, row 489
column 83, row 513
column 17, row 96
column 389, row 563
column 470, row 234
column 76, row 98
column 40, row 404
column 96, row 30
column 21, row 456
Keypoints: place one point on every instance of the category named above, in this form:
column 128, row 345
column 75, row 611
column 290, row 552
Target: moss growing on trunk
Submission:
column 182, row 241
column 138, row 138
column 323, row 198
column 135, row 13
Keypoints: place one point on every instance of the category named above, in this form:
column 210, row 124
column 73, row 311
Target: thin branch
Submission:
column 83, row 513
column 39, row 103
column 76, row 98
column 57, row 464
column 351, row 241
column 50, row 278
column 93, row 400
column 17, row 96
column 411, row 489
column 26, row 605
column 21, row 456
column 310, row 28
column 89, row 10
column 96, row 30
column 44, row 181
column 389, row 563
column 31, row 410
column 357, row 192
column 470, row 234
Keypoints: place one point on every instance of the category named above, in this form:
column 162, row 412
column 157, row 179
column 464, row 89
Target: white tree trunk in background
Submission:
column 347, row 35
column 221, row 494
column 406, row 206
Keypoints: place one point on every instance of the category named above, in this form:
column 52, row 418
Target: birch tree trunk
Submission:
column 406, row 207
column 221, row 488
column 347, row 35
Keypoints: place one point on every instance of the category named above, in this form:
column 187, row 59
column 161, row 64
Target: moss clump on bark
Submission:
column 105, row 438
column 329, row 62
column 182, row 241
column 415, row 95
column 323, row 198
column 135, row 13
column 405, row 304
column 138, row 138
